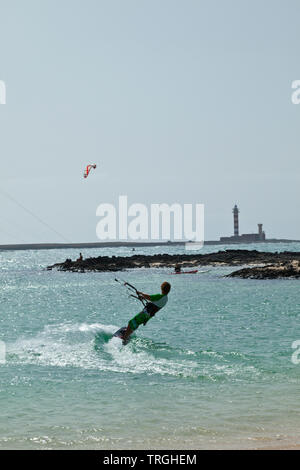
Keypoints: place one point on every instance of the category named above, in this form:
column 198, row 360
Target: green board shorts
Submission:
column 140, row 318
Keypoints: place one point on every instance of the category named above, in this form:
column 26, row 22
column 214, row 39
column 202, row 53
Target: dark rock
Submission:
column 226, row 258
column 289, row 269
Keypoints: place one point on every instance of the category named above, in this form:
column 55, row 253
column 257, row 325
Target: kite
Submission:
column 88, row 169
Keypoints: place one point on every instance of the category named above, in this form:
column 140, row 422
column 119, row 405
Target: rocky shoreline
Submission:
column 289, row 269
column 274, row 264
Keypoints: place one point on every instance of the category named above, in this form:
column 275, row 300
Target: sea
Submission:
column 217, row 368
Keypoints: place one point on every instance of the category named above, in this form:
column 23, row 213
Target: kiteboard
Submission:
column 120, row 334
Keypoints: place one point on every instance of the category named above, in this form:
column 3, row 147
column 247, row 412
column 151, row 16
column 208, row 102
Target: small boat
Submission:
column 186, row 272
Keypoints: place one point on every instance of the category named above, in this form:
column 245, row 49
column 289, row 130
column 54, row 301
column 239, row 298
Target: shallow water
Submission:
column 213, row 369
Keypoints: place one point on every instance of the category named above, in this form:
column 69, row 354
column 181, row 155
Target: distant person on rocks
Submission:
column 80, row 257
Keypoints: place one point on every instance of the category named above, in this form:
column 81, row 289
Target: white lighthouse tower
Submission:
column 236, row 211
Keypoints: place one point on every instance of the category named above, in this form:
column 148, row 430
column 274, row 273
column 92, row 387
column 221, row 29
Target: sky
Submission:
column 176, row 101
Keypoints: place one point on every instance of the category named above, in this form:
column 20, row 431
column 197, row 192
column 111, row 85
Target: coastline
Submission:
column 279, row 270
column 220, row 258
column 118, row 244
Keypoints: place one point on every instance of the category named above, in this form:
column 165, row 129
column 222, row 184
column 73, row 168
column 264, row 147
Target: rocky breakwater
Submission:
column 289, row 269
column 225, row 258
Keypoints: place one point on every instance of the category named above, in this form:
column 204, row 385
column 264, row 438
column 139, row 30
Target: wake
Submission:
column 92, row 346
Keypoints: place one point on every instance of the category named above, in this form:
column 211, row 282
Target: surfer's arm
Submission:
column 145, row 296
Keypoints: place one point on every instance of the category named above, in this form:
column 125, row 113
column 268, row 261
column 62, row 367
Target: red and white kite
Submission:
column 88, row 169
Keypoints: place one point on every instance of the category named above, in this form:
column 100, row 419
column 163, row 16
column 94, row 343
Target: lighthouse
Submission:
column 245, row 237
column 236, row 220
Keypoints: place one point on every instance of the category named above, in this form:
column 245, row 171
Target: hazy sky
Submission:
column 176, row 101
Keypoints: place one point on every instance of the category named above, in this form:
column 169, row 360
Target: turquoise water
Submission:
column 213, row 369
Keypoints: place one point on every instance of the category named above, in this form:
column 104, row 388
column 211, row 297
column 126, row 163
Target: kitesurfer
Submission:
column 155, row 303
